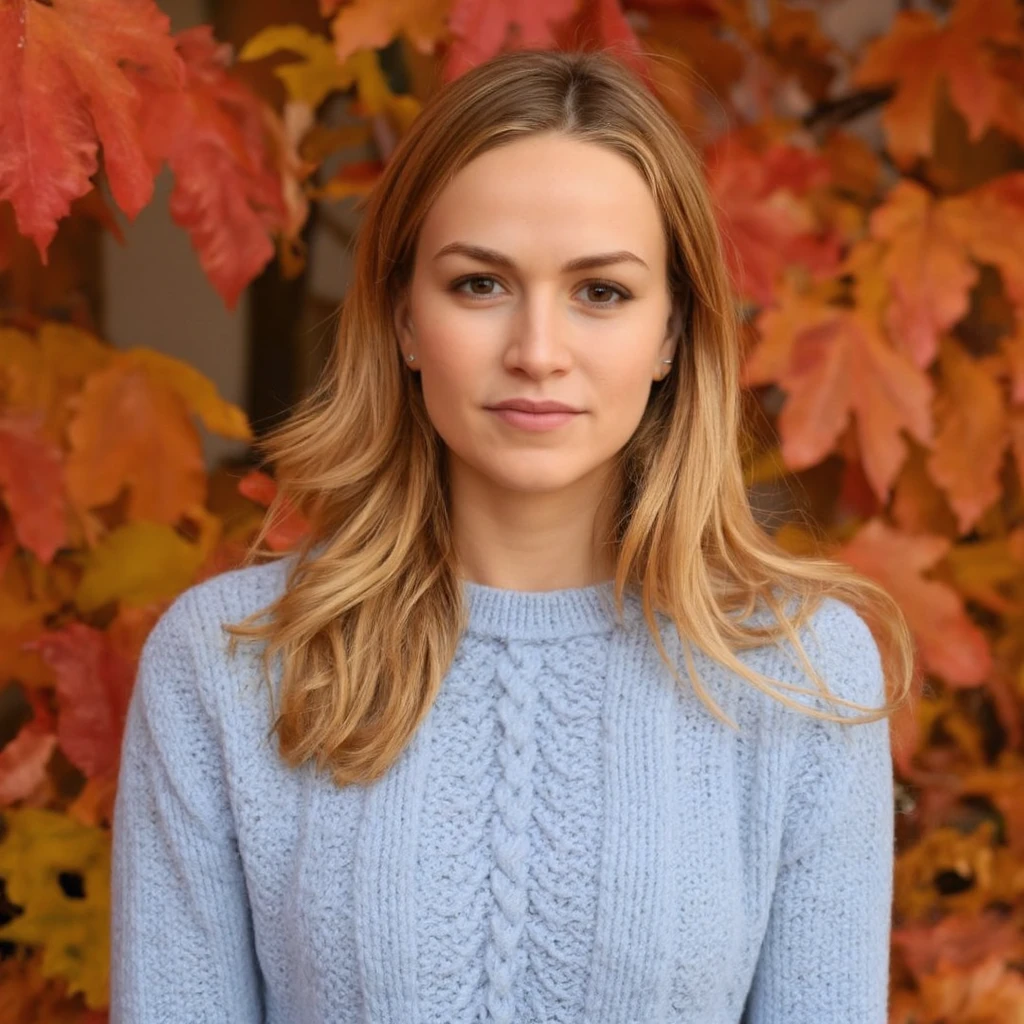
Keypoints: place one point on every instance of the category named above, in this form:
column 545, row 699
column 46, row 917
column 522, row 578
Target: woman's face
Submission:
column 513, row 320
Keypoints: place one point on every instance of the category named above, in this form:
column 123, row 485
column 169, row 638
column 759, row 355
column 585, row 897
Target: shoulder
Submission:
column 225, row 598
column 189, row 639
column 843, row 650
column 236, row 593
column 839, row 645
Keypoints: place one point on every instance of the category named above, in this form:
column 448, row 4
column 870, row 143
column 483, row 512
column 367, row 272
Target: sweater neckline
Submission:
column 543, row 614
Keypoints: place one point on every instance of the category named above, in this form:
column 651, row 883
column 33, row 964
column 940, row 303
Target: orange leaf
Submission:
column 951, row 646
column 371, row 25
column 130, row 431
column 94, row 684
column 291, row 525
column 853, row 165
column 65, row 89
column 31, row 479
column 794, row 39
column 918, row 505
column 919, row 54
column 959, row 941
column 227, row 189
column 834, row 363
column 972, row 436
column 927, row 268
column 989, row 222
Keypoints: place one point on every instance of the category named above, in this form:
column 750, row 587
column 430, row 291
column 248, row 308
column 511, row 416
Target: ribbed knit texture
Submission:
column 570, row 836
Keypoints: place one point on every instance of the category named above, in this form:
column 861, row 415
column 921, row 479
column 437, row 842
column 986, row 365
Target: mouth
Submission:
column 534, row 421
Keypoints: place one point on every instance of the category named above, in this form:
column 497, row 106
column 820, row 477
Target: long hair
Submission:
column 373, row 609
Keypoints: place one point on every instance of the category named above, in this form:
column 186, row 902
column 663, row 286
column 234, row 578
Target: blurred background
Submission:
column 172, row 261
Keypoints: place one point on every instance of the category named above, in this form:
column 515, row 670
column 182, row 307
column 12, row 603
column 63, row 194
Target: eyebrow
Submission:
column 485, row 255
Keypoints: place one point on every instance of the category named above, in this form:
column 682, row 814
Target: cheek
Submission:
column 622, row 394
column 450, row 376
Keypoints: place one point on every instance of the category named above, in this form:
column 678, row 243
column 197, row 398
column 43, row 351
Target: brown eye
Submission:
column 604, row 288
column 458, row 286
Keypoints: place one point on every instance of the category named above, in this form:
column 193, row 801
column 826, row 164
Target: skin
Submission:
column 529, row 509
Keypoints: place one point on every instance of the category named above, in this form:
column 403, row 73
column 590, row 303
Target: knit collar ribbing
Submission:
column 545, row 614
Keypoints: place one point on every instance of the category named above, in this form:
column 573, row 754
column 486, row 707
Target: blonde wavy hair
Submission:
column 372, row 612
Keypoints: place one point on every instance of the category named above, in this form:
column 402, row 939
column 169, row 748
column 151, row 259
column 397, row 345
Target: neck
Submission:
column 532, row 540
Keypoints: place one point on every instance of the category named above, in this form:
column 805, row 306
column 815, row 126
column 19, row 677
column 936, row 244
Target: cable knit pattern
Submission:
column 570, row 837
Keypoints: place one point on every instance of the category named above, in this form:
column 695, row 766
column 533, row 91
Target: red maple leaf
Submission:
column 69, row 77
column 227, row 189
column 482, row 28
column 765, row 224
column 94, row 683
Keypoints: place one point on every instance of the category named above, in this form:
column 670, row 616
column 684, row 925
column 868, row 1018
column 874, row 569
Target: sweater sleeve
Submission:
column 824, row 958
column 182, row 949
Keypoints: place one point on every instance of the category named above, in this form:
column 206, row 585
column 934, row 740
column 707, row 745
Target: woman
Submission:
column 493, row 795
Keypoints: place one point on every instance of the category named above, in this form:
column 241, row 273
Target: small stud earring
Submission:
column 410, row 357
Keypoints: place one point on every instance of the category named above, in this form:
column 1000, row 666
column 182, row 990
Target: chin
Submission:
column 530, row 479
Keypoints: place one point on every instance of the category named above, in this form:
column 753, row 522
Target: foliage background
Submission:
column 872, row 202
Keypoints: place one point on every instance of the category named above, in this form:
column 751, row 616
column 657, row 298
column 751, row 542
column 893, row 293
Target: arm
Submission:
column 181, row 936
column 825, row 955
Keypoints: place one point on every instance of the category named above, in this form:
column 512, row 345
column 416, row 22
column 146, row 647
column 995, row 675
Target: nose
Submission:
column 539, row 342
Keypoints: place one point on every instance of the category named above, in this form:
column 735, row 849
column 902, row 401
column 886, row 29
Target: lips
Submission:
column 535, row 422
column 531, row 406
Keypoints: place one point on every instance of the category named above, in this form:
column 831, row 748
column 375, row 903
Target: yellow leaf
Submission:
column 22, row 378
column 41, row 853
column 71, row 354
column 314, row 77
column 797, row 540
column 765, row 468
column 137, row 564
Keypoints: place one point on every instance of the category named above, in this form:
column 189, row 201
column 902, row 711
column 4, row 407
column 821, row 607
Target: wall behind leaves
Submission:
column 872, row 204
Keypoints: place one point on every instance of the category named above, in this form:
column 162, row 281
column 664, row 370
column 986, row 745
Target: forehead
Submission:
column 548, row 192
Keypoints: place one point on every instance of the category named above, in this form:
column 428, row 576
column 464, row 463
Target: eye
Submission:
column 606, row 287
column 458, row 285
column 602, row 287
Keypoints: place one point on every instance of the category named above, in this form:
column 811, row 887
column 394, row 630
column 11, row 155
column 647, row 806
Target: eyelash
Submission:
column 624, row 296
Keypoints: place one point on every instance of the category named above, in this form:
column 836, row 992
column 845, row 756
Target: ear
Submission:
column 672, row 334
column 401, row 320
column 675, row 320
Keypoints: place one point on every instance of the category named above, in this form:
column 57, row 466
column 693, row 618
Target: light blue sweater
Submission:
column 570, row 836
